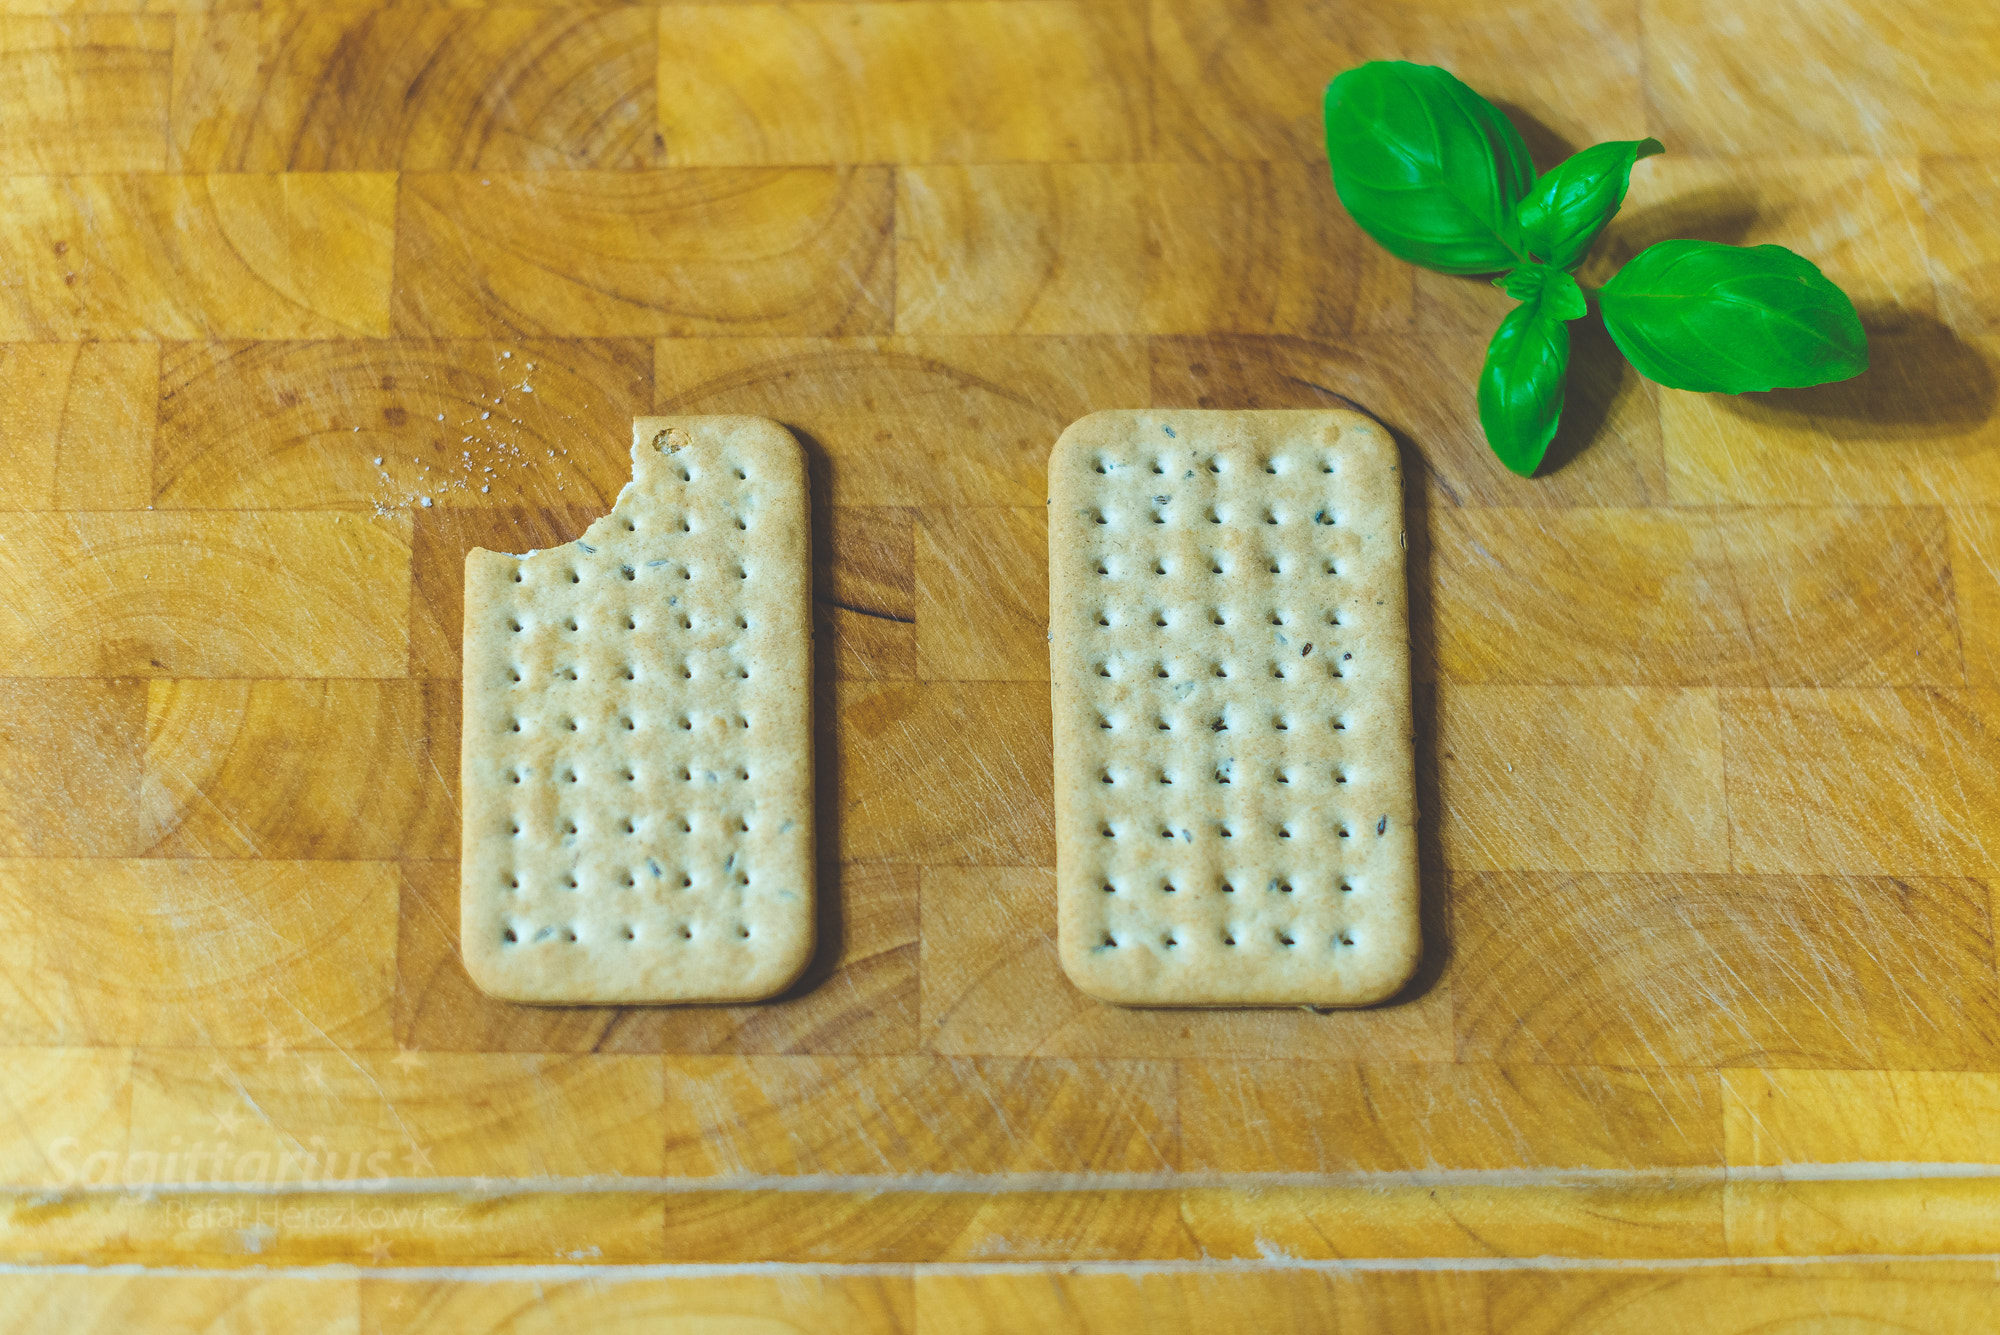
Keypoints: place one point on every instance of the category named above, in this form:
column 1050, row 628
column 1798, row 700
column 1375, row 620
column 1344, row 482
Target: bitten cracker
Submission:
column 1229, row 651
column 637, row 757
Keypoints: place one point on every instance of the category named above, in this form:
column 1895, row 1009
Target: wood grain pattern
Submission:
column 619, row 254
column 1660, row 597
column 157, row 594
column 462, row 424
column 171, row 953
column 1580, row 778
column 76, row 425
column 982, row 605
column 299, row 770
column 1776, row 1117
column 916, row 82
column 88, row 95
column 297, row 1119
column 1959, row 195
column 1706, row 713
column 1158, row 248
column 416, row 89
column 1229, row 73
column 835, row 1306
column 64, row 1105
column 1907, row 85
column 1923, row 802
column 72, row 756
column 1755, row 971
column 918, row 1115
column 1281, row 1116
column 150, row 256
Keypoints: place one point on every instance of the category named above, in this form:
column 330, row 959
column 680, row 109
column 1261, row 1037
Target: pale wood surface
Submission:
column 1709, row 715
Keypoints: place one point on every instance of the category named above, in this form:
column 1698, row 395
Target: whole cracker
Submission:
column 1229, row 654
column 637, row 748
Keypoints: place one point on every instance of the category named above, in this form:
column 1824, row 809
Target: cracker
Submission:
column 637, row 757
column 1229, row 654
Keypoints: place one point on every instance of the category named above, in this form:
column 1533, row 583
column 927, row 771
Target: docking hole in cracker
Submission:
column 1230, row 667
column 637, row 745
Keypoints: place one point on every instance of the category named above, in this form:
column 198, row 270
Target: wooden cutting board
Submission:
column 297, row 305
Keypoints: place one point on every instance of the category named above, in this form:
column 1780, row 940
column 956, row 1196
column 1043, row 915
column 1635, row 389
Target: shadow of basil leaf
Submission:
column 1545, row 146
column 1922, row 381
column 1723, row 214
column 1598, row 374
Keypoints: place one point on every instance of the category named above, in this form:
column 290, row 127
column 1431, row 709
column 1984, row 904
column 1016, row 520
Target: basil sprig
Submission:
column 1439, row 177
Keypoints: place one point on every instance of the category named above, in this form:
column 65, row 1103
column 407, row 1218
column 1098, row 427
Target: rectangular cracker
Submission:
column 637, row 759
column 1229, row 655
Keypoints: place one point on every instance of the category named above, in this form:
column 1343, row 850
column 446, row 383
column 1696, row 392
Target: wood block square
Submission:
column 407, row 1115
column 1913, row 80
column 1581, row 779
column 1961, row 196
column 70, row 761
column 302, row 769
column 1666, row 597
column 983, row 594
column 937, row 773
column 195, row 257
column 76, row 425
column 69, row 1107
column 1885, row 783
column 1322, row 1117
column 86, row 93
column 864, row 593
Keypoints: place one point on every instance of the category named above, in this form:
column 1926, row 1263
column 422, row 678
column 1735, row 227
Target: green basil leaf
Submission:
column 1545, row 283
column 1521, row 387
column 1573, row 200
column 1711, row 318
column 1428, row 167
